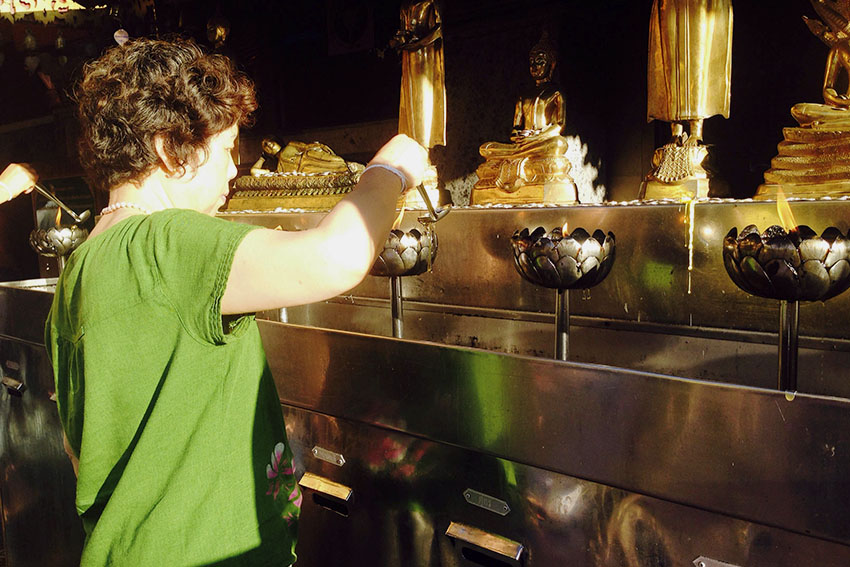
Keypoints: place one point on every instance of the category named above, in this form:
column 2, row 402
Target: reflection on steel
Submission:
column 406, row 495
column 39, row 523
column 550, row 259
column 678, row 437
column 405, row 254
column 790, row 266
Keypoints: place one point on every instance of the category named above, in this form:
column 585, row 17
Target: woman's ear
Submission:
column 166, row 161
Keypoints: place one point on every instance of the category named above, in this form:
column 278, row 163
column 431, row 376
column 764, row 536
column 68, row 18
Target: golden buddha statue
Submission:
column 688, row 80
column 307, row 175
column 812, row 158
column 301, row 157
column 533, row 167
column 422, row 103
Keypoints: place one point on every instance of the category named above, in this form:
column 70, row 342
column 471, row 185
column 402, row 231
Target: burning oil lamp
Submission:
column 404, row 254
column 59, row 241
column 791, row 266
column 559, row 261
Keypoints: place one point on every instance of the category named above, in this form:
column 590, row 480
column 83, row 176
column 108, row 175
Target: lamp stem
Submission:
column 396, row 299
column 789, row 318
column 562, row 325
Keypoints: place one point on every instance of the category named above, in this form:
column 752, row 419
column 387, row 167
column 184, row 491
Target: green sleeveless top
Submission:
column 170, row 407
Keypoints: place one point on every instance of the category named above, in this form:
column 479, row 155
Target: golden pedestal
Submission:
column 810, row 163
column 682, row 172
column 524, row 180
column 685, row 190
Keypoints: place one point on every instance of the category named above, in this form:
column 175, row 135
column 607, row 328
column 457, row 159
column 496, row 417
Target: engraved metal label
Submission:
column 703, row 561
column 482, row 500
column 328, row 456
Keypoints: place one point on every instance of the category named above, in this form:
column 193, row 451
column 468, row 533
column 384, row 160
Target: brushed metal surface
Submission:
column 40, row 523
column 23, row 308
column 748, row 453
column 409, row 491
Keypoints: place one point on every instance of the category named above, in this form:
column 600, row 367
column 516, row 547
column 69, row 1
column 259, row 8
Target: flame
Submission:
column 564, row 228
column 58, row 217
column 397, row 220
column 784, row 210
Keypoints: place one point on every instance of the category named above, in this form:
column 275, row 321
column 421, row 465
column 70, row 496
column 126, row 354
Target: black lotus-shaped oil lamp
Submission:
column 562, row 262
column 405, row 254
column 58, row 241
column 791, row 266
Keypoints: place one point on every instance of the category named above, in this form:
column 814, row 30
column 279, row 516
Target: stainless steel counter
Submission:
column 667, row 306
column 37, row 484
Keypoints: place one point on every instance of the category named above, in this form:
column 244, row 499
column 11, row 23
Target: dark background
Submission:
column 322, row 73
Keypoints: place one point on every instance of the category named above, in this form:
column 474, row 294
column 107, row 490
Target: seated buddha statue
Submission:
column 835, row 113
column 811, row 161
column 532, row 167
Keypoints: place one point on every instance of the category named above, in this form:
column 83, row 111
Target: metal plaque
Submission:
column 482, row 500
column 328, row 456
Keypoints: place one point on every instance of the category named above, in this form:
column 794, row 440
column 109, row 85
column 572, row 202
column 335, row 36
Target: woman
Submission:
column 17, row 178
column 162, row 386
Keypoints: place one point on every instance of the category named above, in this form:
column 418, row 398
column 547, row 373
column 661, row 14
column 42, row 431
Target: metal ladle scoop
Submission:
column 78, row 218
column 435, row 213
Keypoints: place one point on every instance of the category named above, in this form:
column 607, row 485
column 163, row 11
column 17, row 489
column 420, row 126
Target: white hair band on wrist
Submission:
column 391, row 169
column 9, row 191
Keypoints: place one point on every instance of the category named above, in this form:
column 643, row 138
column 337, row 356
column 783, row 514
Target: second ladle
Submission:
column 78, row 218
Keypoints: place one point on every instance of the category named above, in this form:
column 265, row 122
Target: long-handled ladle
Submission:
column 78, row 218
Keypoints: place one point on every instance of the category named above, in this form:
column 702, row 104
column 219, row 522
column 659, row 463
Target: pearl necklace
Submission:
column 124, row 205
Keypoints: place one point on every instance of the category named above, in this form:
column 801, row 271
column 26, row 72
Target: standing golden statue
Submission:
column 533, row 167
column 422, row 104
column 812, row 159
column 689, row 79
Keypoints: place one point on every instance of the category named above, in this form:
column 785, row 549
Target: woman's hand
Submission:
column 405, row 155
column 17, row 178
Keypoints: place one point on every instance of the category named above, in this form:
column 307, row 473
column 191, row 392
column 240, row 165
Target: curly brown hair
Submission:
column 150, row 87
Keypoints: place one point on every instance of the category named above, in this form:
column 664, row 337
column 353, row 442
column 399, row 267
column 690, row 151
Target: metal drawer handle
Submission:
column 483, row 548
column 14, row 387
column 327, row 493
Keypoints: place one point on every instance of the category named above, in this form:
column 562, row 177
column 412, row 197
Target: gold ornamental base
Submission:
column 524, row 180
column 833, row 189
column 810, row 163
column 684, row 190
column 555, row 192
